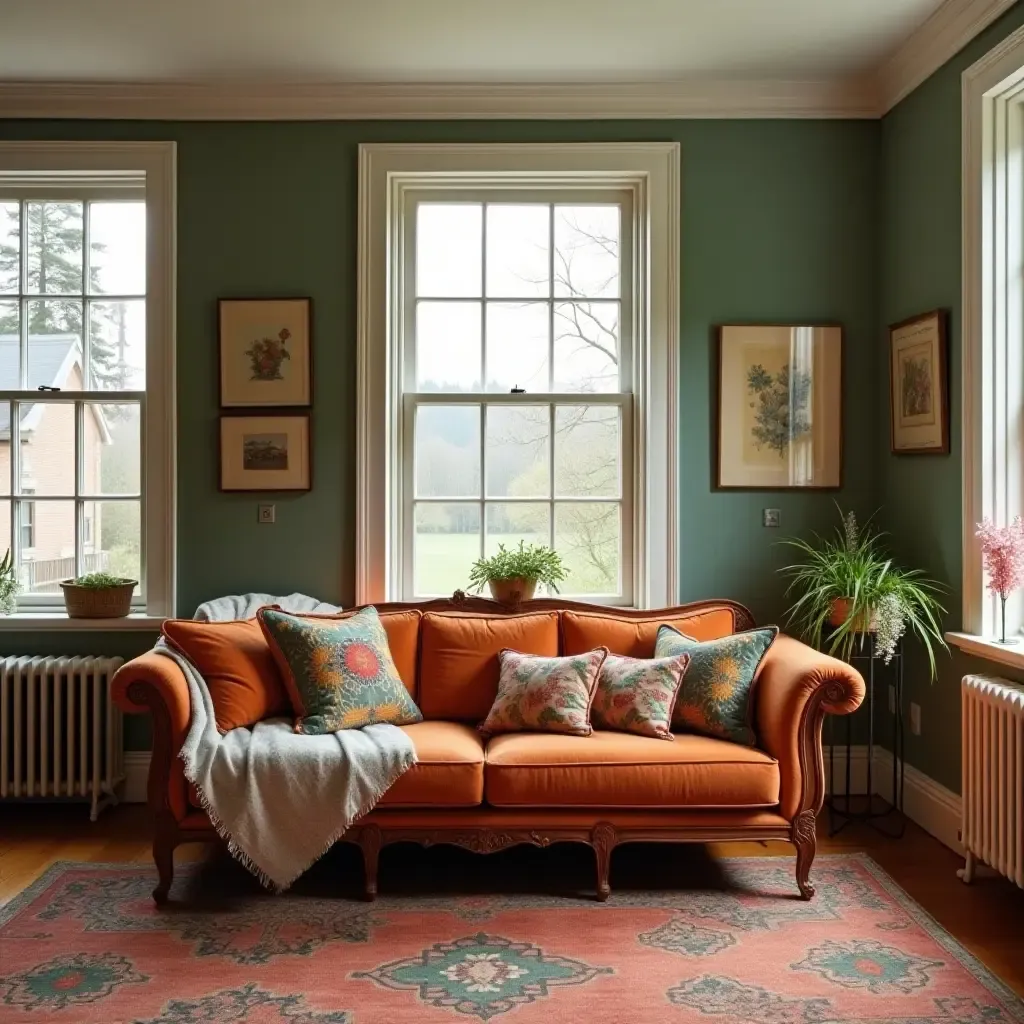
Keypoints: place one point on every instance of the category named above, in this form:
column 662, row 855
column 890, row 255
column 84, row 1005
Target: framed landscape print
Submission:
column 919, row 399
column 264, row 352
column 780, row 396
column 265, row 453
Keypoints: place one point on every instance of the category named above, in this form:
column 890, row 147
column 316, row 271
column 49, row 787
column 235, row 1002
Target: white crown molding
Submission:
column 941, row 37
column 242, row 101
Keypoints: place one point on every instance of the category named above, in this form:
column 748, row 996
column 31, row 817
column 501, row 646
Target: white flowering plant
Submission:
column 846, row 586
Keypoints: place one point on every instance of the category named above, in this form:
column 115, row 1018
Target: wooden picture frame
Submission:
column 265, row 352
column 771, row 432
column 265, row 452
column 919, row 385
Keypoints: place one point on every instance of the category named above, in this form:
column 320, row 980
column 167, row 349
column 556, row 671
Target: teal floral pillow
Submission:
column 544, row 694
column 715, row 696
column 339, row 673
column 637, row 694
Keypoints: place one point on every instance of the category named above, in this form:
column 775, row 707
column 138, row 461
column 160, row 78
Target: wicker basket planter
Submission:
column 98, row 602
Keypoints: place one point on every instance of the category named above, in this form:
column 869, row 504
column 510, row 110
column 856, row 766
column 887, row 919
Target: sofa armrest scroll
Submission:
column 797, row 686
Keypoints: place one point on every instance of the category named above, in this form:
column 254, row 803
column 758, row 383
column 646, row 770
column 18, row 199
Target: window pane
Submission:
column 111, row 449
column 54, row 248
column 587, row 251
column 449, row 249
column 10, row 250
column 587, row 538
column 588, row 448
column 10, row 346
column 448, row 346
column 117, row 248
column 55, row 344
column 445, row 545
column 117, row 345
column 518, row 251
column 587, row 347
column 447, row 455
column 50, row 557
column 509, row 523
column 112, row 538
column 517, row 346
column 518, row 452
column 5, row 460
column 47, row 448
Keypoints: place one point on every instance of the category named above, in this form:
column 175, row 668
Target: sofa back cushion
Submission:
column 458, row 676
column 635, row 637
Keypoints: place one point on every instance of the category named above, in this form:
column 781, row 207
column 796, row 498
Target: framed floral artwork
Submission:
column 779, row 414
column 265, row 352
column 918, row 393
column 265, row 453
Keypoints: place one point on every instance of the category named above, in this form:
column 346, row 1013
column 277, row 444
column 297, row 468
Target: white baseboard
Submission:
column 136, row 770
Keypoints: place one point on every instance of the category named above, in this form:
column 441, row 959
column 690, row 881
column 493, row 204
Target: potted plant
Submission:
column 513, row 575
column 9, row 586
column 98, row 595
column 847, row 586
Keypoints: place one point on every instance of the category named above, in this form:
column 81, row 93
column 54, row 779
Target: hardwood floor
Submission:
column 986, row 916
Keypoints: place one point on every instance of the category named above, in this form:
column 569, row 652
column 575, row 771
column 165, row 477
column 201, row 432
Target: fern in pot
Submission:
column 513, row 574
column 846, row 586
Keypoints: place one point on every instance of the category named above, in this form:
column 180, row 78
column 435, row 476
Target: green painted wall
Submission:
column 779, row 222
column 920, row 270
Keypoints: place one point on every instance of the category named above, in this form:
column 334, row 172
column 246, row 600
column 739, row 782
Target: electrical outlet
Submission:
column 915, row 719
column 892, row 700
column 267, row 513
column 771, row 517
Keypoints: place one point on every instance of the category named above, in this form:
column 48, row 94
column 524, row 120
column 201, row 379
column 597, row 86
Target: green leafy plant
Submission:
column 528, row 562
column 851, row 574
column 100, row 581
column 9, row 586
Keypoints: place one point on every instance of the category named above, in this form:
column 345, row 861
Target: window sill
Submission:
column 60, row 621
column 983, row 647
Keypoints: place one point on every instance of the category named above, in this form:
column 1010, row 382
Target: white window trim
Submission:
column 157, row 160
column 652, row 172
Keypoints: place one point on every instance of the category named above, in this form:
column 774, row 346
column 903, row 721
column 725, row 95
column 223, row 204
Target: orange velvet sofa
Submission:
column 541, row 788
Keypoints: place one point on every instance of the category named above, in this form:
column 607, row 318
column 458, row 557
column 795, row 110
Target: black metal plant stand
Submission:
column 889, row 820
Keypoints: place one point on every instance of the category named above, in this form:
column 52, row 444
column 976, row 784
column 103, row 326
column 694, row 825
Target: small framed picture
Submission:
column 918, row 393
column 264, row 352
column 780, row 398
column 265, row 453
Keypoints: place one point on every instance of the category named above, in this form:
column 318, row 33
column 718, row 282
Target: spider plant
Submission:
column 846, row 585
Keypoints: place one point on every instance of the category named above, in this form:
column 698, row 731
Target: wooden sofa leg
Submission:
column 602, row 838
column 370, row 843
column 163, row 856
column 804, row 838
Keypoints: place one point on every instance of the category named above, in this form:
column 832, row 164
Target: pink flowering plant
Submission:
column 1002, row 551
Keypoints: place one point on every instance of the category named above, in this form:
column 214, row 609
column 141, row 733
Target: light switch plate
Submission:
column 771, row 517
column 267, row 513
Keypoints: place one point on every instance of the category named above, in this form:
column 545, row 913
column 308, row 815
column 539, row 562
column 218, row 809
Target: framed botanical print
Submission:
column 918, row 393
column 265, row 453
column 264, row 352
column 780, row 397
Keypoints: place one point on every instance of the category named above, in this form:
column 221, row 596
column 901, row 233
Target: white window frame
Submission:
column 651, row 173
column 55, row 165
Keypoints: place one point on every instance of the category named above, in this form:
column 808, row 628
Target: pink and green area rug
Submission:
column 85, row 943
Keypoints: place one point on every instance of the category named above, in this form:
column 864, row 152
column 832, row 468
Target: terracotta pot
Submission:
column 841, row 612
column 512, row 591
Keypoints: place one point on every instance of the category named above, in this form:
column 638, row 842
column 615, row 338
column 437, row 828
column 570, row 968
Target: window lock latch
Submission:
column 517, row 391
column 47, row 387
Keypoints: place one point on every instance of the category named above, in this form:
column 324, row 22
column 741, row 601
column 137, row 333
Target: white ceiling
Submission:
column 475, row 41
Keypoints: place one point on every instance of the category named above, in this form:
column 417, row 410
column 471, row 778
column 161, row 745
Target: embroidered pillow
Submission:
column 545, row 694
column 715, row 696
column 637, row 694
column 339, row 673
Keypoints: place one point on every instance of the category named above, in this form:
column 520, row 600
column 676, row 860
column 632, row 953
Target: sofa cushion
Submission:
column 235, row 660
column 458, row 677
column 638, row 694
column 614, row 769
column 635, row 638
column 449, row 771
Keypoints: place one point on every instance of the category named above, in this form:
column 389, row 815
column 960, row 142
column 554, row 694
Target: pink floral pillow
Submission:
column 544, row 694
column 638, row 694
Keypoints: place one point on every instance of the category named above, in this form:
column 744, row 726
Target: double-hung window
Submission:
column 86, row 431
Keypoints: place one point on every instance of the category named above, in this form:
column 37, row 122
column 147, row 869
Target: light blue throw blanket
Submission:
column 279, row 799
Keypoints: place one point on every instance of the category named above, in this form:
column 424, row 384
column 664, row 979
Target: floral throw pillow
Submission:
column 637, row 694
column 339, row 673
column 544, row 694
column 714, row 698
